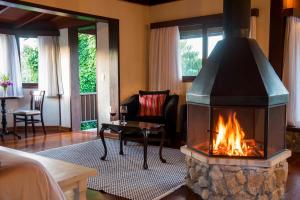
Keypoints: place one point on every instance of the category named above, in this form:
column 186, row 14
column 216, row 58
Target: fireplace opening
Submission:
column 236, row 131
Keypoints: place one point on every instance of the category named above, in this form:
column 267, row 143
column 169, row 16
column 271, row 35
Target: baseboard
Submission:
column 40, row 128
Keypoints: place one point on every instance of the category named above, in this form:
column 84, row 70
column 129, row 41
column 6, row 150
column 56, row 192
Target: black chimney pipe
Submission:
column 237, row 15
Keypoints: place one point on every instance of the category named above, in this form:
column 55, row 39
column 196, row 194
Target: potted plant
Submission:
column 5, row 83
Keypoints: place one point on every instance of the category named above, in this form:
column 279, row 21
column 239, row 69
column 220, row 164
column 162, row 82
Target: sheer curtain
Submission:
column 50, row 78
column 291, row 69
column 10, row 63
column 253, row 27
column 164, row 65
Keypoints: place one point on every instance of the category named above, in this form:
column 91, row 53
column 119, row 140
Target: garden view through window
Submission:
column 29, row 55
column 194, row 51
column 87, row 70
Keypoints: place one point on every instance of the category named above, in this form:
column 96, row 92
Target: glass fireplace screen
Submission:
column 236, row 131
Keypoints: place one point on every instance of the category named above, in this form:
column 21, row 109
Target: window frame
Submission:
column 204, row 34
column 25, row 85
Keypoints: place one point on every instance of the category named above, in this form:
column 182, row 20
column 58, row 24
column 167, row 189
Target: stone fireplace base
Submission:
column 240, row 179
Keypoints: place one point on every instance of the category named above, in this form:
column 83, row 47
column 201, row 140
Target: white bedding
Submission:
column 25, row 179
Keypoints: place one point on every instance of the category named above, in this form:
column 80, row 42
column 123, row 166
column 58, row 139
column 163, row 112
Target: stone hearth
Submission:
column 223, row 178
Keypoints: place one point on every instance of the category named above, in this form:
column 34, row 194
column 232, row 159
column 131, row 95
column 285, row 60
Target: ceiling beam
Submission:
column 28, row 19
column 4, row 9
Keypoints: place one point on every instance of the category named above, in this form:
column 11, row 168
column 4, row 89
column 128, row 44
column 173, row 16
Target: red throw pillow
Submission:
column 152, row 104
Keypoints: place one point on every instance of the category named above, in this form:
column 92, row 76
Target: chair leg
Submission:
column 15, row 123
column 33, row 127
column 43, row 125
column 26, row 124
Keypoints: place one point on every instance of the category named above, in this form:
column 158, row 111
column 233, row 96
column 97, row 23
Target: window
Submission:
column 29, row 60
column 196, row 44
column 214, row 35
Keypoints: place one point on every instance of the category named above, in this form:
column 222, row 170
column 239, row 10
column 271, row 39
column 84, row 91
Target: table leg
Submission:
column 121, row 142
column 3, row 122
column 145, row 133
column 101, row 133
column 80, row 192
column 162, row 140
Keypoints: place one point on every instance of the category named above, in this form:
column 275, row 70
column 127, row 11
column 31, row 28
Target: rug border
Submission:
column 169, row 192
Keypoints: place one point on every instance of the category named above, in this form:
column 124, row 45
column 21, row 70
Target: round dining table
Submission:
column 4, row 130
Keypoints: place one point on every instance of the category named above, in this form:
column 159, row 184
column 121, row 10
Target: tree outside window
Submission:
column 29, row 59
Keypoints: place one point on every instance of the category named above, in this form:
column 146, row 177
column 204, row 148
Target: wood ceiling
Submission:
column 150, row 2
column 19, row 20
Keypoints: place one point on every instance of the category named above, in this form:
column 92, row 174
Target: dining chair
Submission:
column 31, row 116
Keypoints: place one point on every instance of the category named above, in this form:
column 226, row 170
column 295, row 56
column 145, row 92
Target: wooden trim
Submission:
column 29, row 33
column 255, row 12
column 293, row 129
column 114, row 57
column 208, row 20
column 27, row 20
column 149, row 3
column 188, row 78
column 30, row 85
column 40, row 129
column 277, row 35
column 75, row 87
column 54, row 11
column 291, row 12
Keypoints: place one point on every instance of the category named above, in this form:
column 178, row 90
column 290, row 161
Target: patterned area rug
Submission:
column 124, row 175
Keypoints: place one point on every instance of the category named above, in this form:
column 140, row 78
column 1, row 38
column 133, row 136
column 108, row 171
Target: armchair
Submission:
column 169, row 117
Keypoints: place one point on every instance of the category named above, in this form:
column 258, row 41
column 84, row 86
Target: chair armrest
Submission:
column 133, row 105
column 170, row 111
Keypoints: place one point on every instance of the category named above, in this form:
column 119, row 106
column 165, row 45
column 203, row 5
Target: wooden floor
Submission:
column 53, row 140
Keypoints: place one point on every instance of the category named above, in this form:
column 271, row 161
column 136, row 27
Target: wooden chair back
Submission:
column 37, row 100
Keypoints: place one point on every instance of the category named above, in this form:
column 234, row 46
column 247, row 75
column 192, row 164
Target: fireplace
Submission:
column 237, row 118
column 236, row 131
column 236, row 105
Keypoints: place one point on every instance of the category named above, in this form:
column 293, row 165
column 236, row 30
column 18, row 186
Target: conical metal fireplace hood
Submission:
column 237, row 71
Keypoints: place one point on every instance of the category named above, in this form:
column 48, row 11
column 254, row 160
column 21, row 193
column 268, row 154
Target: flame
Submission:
column 230, row 138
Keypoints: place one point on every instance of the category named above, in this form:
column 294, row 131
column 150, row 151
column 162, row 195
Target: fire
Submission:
column 230, row 138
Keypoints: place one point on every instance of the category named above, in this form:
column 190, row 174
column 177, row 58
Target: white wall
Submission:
column 66, row 68
column 103, row 81
column 51, row 114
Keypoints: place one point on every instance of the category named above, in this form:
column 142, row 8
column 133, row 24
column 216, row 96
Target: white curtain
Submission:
column 253, row 27
column 164, row 63
column 10, row 64
column 291, row 70
column 50, row 78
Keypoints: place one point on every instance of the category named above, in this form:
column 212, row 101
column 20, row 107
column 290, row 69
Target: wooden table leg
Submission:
column 101, row 133
column 80, row 192
column 145, row 133
column 121, row 142
column 162, row 140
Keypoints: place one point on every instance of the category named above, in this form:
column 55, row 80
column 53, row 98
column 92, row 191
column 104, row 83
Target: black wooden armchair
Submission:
column 169, row 118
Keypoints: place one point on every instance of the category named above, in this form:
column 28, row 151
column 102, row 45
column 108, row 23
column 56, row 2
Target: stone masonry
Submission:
column 224, row 182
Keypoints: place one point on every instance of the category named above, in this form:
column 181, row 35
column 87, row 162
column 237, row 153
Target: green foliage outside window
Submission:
column 190, row 60
column 87, row 63
column 30, row 58
column 87, row 69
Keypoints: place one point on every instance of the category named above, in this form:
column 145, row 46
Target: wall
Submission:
column 133, row 36
column 133, row 53
column 51, row 106
column 51, row 113
column 193, row 8
column 66, row 68
column 134, row 31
